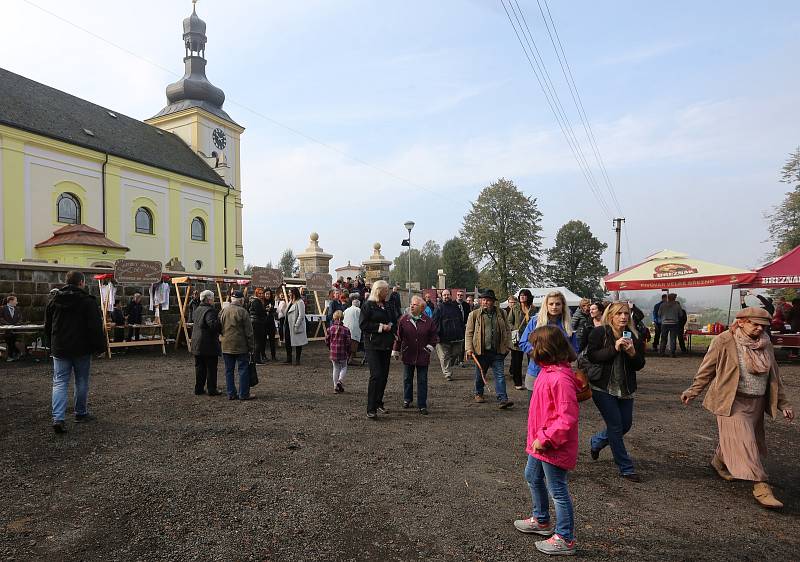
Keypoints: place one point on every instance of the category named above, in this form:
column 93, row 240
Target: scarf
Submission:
column 756, row 359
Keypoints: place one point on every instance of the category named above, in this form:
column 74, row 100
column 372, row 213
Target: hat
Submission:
column 237, row 295
column 755, row 315
column 487, row 294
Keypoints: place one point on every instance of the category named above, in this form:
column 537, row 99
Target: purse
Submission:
column 252, row 373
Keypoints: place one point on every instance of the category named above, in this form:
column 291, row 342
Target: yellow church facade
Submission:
column 84, row 185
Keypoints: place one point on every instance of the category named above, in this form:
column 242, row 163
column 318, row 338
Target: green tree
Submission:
column 458, row 266
column 425, row 265
column 784, row 221
column 502, row 233
column 288, row 263
column 576, row 260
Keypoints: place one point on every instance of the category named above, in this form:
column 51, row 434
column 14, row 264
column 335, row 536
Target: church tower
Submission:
column 194, row 113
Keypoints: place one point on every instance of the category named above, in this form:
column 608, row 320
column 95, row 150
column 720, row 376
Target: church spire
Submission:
column 194, row 89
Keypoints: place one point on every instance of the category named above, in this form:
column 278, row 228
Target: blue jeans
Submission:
column 422, row 384
column 618, row 415
column 542, row 478
column 243, row 360
column 495, row 361
column 62, row 369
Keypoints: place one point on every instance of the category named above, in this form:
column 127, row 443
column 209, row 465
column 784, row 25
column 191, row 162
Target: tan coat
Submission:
column 236, row 330
column 473, row 339
column 719, row 371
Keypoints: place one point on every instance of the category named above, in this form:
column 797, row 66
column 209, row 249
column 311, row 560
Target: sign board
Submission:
column 266, row 277
column 413, row 286
column 139, row 272
column 319, row 281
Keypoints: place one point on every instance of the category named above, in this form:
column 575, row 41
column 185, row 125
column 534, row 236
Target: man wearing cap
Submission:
column 488, row 340
column 743, row 383
column 238, row 345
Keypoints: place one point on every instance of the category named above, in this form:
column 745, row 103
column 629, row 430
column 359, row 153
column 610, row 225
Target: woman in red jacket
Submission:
column 417, row 336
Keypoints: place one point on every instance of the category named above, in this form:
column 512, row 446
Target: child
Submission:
column 552, row 441
column 338, row 340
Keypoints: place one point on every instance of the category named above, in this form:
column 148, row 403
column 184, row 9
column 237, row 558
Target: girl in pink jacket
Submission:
column 552, row 444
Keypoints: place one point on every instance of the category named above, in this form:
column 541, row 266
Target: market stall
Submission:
column 134, row 272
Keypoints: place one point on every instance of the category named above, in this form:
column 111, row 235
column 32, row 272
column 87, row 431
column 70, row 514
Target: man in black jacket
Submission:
column 133, row 314
column 466, row 308
column 74, row 327
column 449, row 320
column 396, row 303
column 205, row 344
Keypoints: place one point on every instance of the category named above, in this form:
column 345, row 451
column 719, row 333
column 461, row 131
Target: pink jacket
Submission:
column 553, row 416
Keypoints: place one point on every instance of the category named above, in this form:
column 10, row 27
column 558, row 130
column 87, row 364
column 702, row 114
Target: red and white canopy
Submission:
column 780, row 273
column 674, row 270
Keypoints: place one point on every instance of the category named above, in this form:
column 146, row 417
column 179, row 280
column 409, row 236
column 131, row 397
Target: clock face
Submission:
column 219, row 138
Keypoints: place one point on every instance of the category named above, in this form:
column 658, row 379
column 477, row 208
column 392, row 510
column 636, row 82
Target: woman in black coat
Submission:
column 269, row 310
column 205, row 344
column 258, row 317
column 615, row 352
column 378, row 329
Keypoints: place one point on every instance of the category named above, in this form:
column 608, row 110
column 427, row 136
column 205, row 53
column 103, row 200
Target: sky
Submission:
column 362, row 115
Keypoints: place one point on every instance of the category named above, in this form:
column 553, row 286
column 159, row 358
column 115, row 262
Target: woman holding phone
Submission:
column 615, row 352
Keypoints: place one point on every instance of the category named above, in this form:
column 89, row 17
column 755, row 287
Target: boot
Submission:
column 763, row 494
column 722, row 470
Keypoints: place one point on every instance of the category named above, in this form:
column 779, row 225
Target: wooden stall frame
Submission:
column 104, row 302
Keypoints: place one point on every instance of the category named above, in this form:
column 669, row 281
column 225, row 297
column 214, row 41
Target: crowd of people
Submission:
column 601, row 342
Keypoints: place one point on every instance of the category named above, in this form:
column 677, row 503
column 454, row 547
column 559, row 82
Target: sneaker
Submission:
column 632, row 477
column 382, row 410
column 479, row 399
column 532, row 526
column 448, row 377
column 505, row 404
column 372, row 415
column 557, row 546
column 594, row 453
column 423, row 411
column 406, row 405
column 233, row 397
column 59, row 426
column 519, row 387
column 80, row 418
column 339, row 387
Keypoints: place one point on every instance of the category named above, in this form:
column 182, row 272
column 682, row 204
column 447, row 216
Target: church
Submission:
column 85, row 185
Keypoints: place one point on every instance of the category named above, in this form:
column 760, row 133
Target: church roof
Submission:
column 80, row 235
column 34, row 107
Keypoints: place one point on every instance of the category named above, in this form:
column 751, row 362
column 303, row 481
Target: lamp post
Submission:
column 409, row 225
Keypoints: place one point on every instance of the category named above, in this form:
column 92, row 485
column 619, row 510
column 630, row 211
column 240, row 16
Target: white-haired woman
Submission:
column 554, row 312
column 377, row 331
column 295, row 334
column 205, row 344
column 615, row 352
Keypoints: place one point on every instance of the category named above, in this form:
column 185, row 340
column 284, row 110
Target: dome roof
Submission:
column 193, row 24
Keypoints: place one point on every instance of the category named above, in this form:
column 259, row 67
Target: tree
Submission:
column 425, row 265
column 458, row 266
column 288, row 263
column 784, row 221
column 575, row 260
column 502, row 233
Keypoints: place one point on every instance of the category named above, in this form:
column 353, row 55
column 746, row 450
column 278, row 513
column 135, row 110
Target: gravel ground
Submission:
column 302, row 474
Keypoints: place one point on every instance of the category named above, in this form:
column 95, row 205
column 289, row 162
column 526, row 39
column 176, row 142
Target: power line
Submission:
column 246, row 108
column 576, row 98
column 546, row 90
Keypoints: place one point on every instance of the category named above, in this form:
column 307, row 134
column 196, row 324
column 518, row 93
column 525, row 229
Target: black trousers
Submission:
column 287, row 338
column 378, row 360
column 516, row 366
column 205, row 373
column 271, row 338
column 259, row 337
column 657, row 336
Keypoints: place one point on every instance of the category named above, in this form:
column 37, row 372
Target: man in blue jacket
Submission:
column 657, row 321
column 449, row 320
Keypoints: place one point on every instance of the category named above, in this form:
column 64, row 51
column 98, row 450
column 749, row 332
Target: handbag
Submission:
column 582, row 369
column 252, row 373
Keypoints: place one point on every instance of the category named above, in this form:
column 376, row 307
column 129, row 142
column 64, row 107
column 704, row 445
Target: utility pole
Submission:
column 618, row 228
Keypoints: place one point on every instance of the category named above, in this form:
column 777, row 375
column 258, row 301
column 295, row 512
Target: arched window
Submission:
column 69, row 209
column 198, row 229
column 144, row 221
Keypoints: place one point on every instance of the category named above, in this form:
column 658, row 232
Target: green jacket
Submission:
column 236, row 330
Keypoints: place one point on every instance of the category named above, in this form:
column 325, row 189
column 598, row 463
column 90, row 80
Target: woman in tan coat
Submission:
column 743, row 383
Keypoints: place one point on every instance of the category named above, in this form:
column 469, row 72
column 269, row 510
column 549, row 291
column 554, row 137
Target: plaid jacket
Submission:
column 338, row 340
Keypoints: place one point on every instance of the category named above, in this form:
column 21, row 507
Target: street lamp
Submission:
column 409, row 225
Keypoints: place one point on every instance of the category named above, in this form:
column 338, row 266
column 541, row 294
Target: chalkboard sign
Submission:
column 139, row 272
column 318, row 281
column 266, row 277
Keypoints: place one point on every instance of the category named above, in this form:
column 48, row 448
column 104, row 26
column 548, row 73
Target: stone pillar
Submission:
column 377, row 266
column 314, row 259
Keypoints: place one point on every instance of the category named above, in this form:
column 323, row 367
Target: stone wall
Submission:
column 32, row 282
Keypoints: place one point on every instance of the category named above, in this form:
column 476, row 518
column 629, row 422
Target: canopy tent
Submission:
column 780, row 273
column 674, row 270
column 540, row 292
